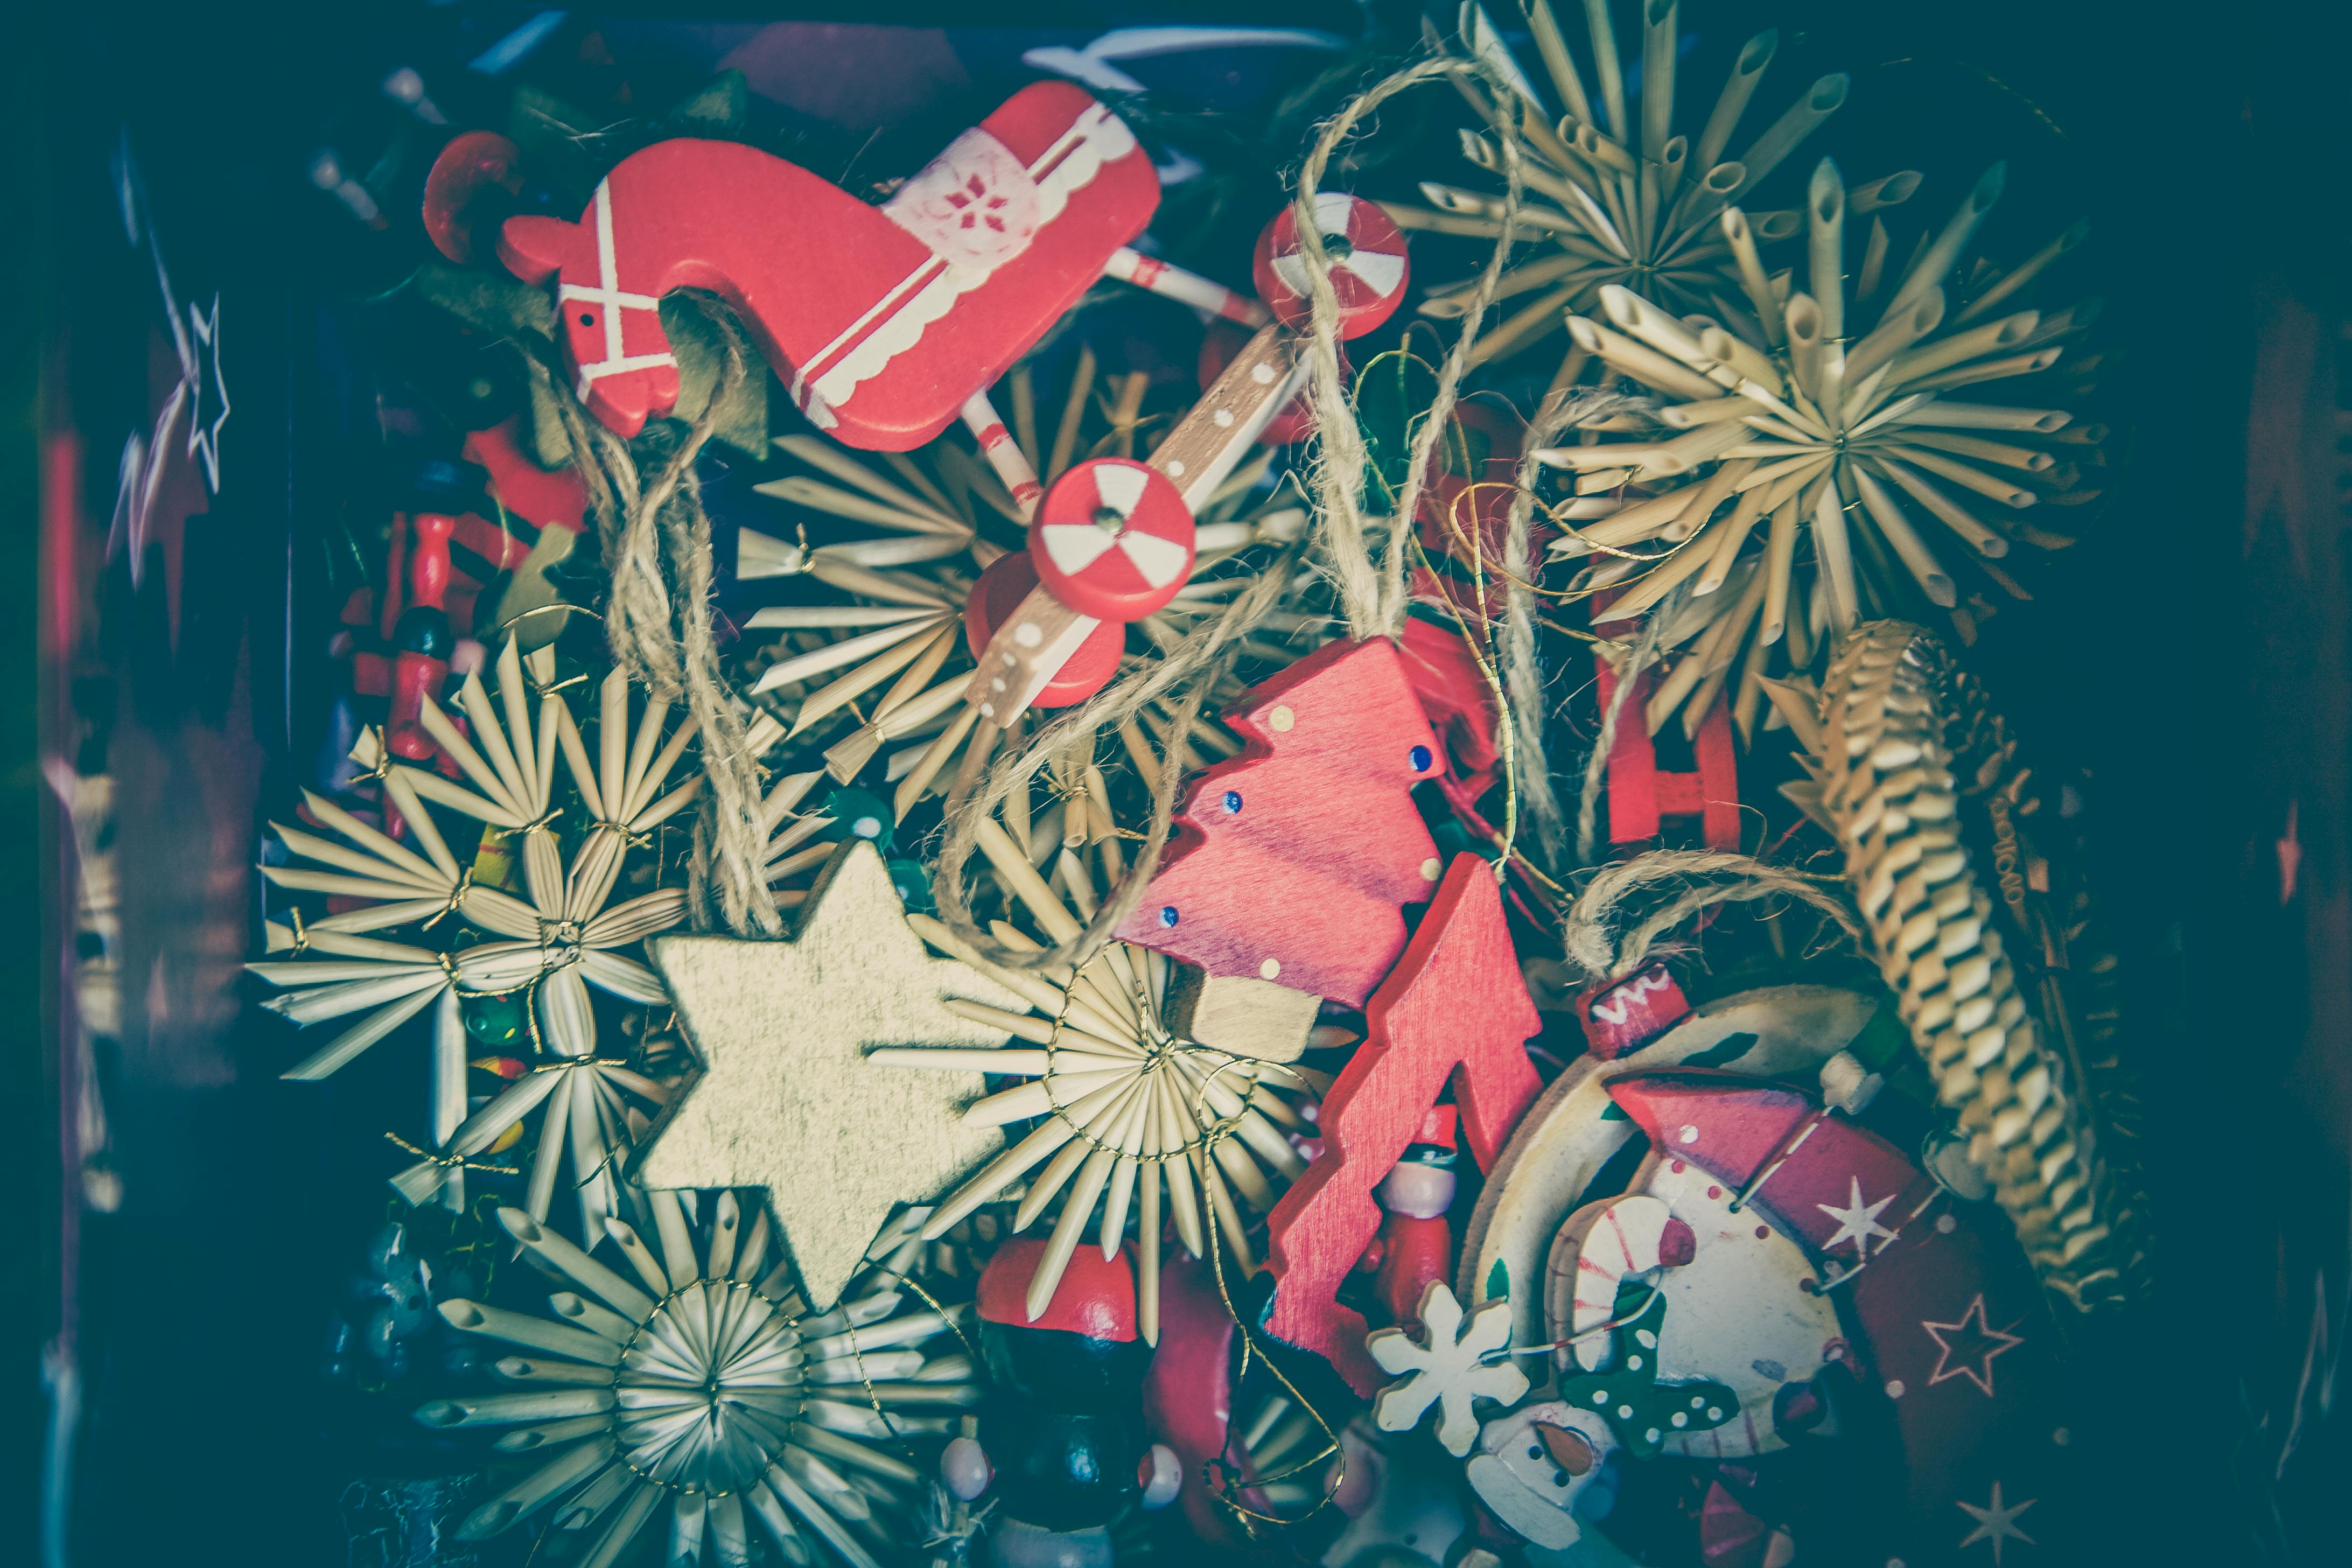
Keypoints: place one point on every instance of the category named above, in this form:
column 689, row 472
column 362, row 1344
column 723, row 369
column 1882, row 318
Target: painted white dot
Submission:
column 1223, row 419
column 1698, row 1400
column 1624, row 1412
column 1946, row 1225
column 1652, row 1435
column 1175, row 467
column 1430, row 868
column 1600, row 1396
column 1894, row 1563
column 1645, row 1339
column 1028, row 633
column 1262, row 373
column 987, row 709
column 1680, row 1419
column 998, row 685
column 867, row 828
column 1715, row 1413
column 1690, row 1134
column 1011, row 662
column 1894, row 1388
column 2062, row 1436
column 1634, row 1362
column 1269, row 969
column 1280, row 719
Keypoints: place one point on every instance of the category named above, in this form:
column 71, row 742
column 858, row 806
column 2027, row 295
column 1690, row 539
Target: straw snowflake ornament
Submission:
column 1612, row 195
column 1132, row 1116
column 1858, row 409
column 694, row 1379
column 567, row 933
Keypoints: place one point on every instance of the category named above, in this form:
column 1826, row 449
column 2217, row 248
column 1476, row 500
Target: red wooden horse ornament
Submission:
column 883, row 321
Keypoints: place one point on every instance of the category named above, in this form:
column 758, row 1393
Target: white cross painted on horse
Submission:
column 610, row 295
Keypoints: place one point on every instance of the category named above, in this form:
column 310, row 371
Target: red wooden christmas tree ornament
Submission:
column 1294, row 860
column 1454, row 1008
column 882, row 321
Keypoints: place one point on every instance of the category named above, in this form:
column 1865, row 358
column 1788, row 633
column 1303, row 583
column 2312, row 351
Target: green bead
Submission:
column 913, row 884
column 860, row 814
column 496, row 1020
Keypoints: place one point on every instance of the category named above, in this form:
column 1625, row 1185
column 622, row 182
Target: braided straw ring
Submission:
column 1916, row 769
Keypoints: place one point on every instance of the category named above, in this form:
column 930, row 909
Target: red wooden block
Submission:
column 1640, row 795
column 882, row 321
column 1454, row 1008
column 1460, row 706
column 1632, row 1013
column 1293, row 860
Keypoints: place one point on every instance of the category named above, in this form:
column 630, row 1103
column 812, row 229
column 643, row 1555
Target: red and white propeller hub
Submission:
column 1113, row 539
column 1368, row 265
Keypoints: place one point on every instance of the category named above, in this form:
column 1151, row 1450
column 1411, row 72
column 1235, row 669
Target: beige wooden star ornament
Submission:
column 786, row 1100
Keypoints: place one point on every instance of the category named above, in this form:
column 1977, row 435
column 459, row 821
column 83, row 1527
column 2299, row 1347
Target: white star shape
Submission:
column 204, row 440
column 1451, row 1371
column 1857, row 1222
column 1995, row 1523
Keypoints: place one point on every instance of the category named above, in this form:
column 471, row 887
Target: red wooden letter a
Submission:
column 1455, row 1005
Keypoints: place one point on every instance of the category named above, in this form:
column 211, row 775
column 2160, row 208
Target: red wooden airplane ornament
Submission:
column 1454, row 1008
column 1030, row 646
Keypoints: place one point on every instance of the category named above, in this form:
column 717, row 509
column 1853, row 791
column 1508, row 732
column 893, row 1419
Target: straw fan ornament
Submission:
column 689, row 1377
column 1129, row 1114
column 1613, row 194
column 565, row 933
column 1912, row 416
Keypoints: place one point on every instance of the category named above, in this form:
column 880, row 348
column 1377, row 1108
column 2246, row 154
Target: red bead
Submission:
column 1369, row 271
column 999, row 593
column 1113, row 539
column 457, row 190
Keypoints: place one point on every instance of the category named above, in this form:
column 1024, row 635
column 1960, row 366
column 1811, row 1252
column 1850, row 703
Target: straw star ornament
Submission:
column 1851, row 402
column 788, row 1101
column 1615, row 195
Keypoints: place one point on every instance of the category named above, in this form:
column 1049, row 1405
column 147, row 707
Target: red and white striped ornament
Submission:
column 1113, row 540
column 1369, row 264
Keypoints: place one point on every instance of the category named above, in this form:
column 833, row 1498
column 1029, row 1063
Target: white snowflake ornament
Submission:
column 1451, row 1371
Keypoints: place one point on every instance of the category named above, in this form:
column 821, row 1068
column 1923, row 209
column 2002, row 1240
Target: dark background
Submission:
column 2192, row 656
